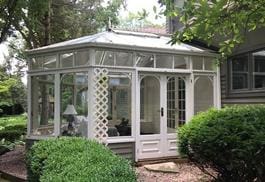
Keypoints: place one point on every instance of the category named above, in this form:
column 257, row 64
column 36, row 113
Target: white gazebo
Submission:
column 128, row 90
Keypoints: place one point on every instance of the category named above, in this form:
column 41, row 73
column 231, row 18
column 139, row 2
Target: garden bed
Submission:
column 14, row 163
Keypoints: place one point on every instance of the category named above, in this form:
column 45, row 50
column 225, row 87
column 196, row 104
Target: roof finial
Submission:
column 109, row 27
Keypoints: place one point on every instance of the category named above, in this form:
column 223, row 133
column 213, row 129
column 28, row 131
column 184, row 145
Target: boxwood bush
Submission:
column 76, row 159
column 230, row 141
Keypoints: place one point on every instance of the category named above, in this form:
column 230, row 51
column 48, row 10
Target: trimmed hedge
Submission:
column 231, row 141
column 12, row 127
column 76, row 159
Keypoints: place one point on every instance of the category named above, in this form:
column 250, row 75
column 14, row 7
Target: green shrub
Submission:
column 231, row 141
column 12, row 127
column 76, row 159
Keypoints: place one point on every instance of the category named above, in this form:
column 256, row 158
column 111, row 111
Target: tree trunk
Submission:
column 47, row 25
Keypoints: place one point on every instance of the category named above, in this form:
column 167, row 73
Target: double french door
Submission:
column 162, row 111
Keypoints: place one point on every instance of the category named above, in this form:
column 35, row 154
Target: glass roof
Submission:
column 125, row 39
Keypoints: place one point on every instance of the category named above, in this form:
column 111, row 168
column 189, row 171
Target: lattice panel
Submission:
column 100, row 104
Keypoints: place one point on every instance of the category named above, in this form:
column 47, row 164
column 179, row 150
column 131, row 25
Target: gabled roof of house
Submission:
column 123, row 40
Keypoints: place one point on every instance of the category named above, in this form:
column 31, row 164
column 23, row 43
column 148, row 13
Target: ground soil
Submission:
column 14, row 163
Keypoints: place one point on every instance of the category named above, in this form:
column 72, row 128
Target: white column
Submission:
column 218, row 88
column 137, row 115
column 189, row 97
column 29, row 124
column 90, row 102
column 57, row 105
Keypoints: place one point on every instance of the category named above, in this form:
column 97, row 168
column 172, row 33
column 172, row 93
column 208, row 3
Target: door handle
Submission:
column 162, row 111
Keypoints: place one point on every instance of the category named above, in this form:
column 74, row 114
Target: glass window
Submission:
column 259, row 69
column 49, row 62
column 119, row 105
column 209, row 63
column 74, row 104
column 104, row 58
column 144, row 60
column 181, row 62
column 67, row 60
column 124, row 59
column 197, row 62
column 82, row 58
column 37, row 63
column 240, row 72
column 164, row 61
column 42, row 104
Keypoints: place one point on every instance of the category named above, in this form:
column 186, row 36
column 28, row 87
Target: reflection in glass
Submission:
column 74, row 93
column 119, row 105
column 42, row 100
column 67, row 60
column 144, row 60
column 240, row 72
column 259, row 71
column 49, row 62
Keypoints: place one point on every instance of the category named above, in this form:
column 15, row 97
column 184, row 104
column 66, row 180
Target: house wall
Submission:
column 253, row 41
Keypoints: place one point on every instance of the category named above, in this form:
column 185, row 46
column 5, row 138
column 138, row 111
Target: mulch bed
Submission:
column 14, row 163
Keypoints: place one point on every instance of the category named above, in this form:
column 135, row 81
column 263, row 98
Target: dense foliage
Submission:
column 12, row 130
column 42, row 22
column 12, row 93
column 231, row 141
column 76, row 159
column 224, row 21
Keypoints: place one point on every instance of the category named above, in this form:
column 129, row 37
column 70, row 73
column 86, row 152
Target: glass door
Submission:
column 162, row 111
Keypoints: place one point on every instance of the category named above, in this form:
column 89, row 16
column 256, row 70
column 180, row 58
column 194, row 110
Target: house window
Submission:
column 248, row 71
column 240, row 72
column 259, row 69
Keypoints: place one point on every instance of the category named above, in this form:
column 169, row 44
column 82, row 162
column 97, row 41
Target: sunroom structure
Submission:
column 128, row 90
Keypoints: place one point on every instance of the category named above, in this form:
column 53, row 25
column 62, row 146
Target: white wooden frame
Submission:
column 135, row 86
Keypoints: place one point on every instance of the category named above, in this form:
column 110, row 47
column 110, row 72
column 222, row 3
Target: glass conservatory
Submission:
column 128, row 90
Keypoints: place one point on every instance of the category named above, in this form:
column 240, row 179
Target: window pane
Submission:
column 67, row 60
column 37, row 63
column 74, row 104
column 49, row 62
column 124, row 59
column 119, row 105
column 150, row 106
column 197, row 62
column 181, row 62
column 175, row 103
column 42, row 103
column 203, row 94
column 144, row 60
column 104, row 58
column 209, row 64
column 164, row 61
column 240, row 72
column 82, row 58
column 259, row 71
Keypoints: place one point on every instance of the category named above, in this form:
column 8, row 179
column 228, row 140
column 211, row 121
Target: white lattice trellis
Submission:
column 100, row 110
